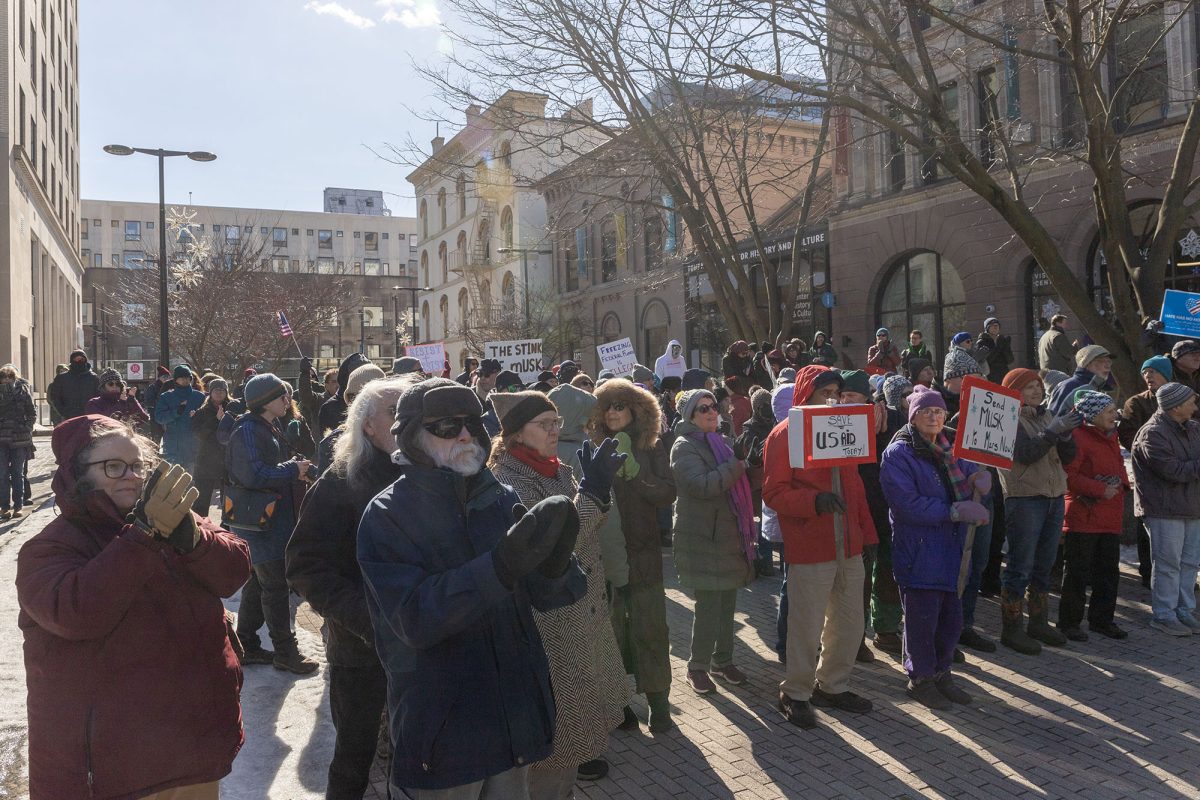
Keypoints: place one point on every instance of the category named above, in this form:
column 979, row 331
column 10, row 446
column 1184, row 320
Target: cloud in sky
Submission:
column 411, row 13
column 346, row 15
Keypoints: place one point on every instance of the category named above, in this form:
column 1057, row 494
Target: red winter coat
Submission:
column 808, row 538
column 1097, row 454
column 132, row 681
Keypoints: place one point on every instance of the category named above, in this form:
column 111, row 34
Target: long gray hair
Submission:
column 353, row 450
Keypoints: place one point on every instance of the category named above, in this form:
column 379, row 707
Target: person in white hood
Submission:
column 671, row 364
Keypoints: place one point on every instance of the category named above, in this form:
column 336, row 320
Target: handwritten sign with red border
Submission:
column 831, row 436
column 988, row 417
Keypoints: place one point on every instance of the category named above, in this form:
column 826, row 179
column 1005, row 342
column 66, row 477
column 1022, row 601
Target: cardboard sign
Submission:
column 1180, row 314
column 432, row 357
column 988, row 417
column 522, row 356
column 617, row 356
column 134, row 372
column 831, row 436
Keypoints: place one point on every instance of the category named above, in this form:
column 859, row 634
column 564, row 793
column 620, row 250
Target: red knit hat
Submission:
column 1020, row 378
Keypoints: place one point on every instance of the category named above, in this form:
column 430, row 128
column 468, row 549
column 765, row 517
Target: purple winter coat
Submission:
column 119, row 407
column 926, row 546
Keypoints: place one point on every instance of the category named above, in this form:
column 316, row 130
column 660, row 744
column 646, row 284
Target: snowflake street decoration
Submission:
column 179, row 219
column 187, row 274
column 198, row 250
column 1190, row 244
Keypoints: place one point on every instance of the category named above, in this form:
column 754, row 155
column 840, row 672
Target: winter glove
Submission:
column 744, row 445
column 305, row 367
column 981, row 482
column 970, row 512
column 186, row 535
column 1061, row 426
column 165, row 503
column 564, row 518
column 599, row 466
column 526, row 545
column 630, row 469
column 829, row 503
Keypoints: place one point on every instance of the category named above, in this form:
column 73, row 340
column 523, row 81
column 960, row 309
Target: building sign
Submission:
column 617, row 356
column 831, row 436
column 432, row 357
column 522, row 356
column 134, row 371
column 987, row 423
column 1181, row 313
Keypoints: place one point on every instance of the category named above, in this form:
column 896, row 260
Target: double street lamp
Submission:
column 164, row 344
column 413, row 290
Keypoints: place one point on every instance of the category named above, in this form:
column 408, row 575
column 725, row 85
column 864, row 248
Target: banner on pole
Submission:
column 432, row 356
column 831, row 436
column 522, row 356
column 617, row 356
column 987, row 423
column 1180, row 313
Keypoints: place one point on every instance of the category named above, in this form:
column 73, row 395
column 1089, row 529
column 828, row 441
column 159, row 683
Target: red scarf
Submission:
column 546, row 467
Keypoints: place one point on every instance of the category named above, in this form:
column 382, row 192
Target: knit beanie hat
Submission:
column 1053, row 378
column 567, row 370
column 516, row 409
column 855, row 380
column 248, row 372
column 760, row 404
column 958, row 364
column 1089, row 402
column 962, row 337
column 218, row 383
column 262, row 389
column 507, row 379
column 895, row 389
column 361, row 377
column 787, row 375
column 643, row 375
column 110, row 375
column 1185, row 347
column 916, row 366
column 693, row 378
column 689, row 399
column 924, row 398
column 1087, row 355
column 1161, row 365
column 882, row 332
column 437, row 398
column 405, row 365
column 182, row 371
column 1172, row 395
column 1018, row 379
column 989, row 322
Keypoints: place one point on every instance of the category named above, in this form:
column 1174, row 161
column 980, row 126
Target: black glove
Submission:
column 599, row 466
column 181, row 409
column 560, row 557
column 744, row 445
column 186, row 535
column 305, row 366
column 829, row 503
column 526, row 545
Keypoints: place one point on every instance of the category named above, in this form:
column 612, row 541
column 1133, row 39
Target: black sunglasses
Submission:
column 704, row 409
column 618, row 407
column 451, row 427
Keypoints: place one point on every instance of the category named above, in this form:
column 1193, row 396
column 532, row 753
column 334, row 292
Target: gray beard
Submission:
column 465, row 459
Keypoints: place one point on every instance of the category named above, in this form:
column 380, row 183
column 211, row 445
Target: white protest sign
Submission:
column 988, row 417
column 617, row 356
column 432, row 357
column 830, row 436
column 134, row 372
column 522, row 356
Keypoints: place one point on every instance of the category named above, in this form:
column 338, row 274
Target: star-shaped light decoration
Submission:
column 1190, row 244
column 179, row 219
column 187, row 274
column 198, row 251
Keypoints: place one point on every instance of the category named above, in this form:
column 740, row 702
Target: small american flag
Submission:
column 284, row 327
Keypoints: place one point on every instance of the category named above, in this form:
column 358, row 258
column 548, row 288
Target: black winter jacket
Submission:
column 70, row 391
column 17, row 416
column 322, row 561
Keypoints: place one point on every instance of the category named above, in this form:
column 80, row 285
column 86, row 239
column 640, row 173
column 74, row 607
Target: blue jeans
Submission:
column 12, row 477
column 980, row 552
column 1034, row 528
column 781, row 617
column 1175, row 545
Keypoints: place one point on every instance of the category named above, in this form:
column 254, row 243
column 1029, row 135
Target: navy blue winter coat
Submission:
column 926, row 546
column 469, row 691
column 179, row 443
column 1062, row 396
column 259, row 460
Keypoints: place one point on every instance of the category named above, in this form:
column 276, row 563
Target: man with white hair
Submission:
column 453, row 565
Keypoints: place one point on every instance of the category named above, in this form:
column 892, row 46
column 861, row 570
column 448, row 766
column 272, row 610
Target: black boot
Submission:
column 631, row 722
column 660, row 712
column 1013, row 632
column 288, row 657
column 976, row 641
column 1039, row 625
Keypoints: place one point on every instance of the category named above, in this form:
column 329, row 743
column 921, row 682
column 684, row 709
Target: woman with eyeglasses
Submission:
column 117, row 401
column 585, row 665
column 131, row 675
column 714, row 534
column 644, row 485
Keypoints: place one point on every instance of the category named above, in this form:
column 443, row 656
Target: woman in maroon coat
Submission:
column 132, row 680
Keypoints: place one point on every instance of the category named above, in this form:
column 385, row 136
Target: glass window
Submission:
column 326, row 351
column 357, row 235
column 371, row 241
column 279, row 237
column 374, row 350
column 310, row 231
column 262, row 231
column 83, row 229
column 608, row 251
column 385, row 236
column 653, row 230
column 133, row 231
column 924, row 292
column 339, row 234
column 1138, row 68
column 233, row 233
column 97, row 260
column 371, row 266
column 987, row 90
column 325, row 265
column 373, row 316
column 896, row 167
column 216, row 228
column 133, row 259
column 279, row 263
column 295, row 231
column 133, row 353
column 325, row 240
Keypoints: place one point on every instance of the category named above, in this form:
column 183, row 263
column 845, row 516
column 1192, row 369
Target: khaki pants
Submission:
column 197, row 791
column 825, row 607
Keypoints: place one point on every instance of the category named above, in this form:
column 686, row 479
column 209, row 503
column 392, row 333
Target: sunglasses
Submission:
column 618, row 407
column 705, row 408
column 115, row 468
column 451, row 427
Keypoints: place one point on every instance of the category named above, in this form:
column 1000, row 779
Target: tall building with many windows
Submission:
column 40, row 272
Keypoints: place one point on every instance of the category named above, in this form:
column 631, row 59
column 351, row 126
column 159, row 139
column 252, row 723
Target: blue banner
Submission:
column 671, row 242
column 1181, row 314
column 581, row 250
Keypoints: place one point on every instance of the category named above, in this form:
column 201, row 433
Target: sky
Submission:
column 288, row 93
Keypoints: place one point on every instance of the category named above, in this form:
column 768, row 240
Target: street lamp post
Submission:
column 413, row 290
column 525, row 252
column 164, row 336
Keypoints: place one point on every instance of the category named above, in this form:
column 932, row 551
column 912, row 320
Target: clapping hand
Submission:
column 599, row 466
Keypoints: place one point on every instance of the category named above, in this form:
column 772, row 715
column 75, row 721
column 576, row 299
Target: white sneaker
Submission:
column 1171, row 626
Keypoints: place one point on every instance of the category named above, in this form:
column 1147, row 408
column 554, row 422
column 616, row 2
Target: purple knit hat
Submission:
column 924, row 398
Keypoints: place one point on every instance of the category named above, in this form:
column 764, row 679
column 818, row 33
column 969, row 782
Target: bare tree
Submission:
column 891, row 63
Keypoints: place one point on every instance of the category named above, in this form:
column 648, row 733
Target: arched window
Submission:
column 505, row 155
column 444, row 310
column 656, row 325
column 443, row 262
column 424, row 214
column 424, row 267
column 425, row 321
column 924, row 292
column 1043, row 303
column 508, row 291
column 608, row 250
column 506, row 227
column 441, row 201
column 610, row 328
column 462, row 307
column 652, row 228
column 460, row 191
column 485, row 300
column 483, row 243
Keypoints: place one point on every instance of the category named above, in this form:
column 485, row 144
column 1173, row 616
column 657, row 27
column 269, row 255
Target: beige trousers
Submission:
column 825, row 608
column 197, row 791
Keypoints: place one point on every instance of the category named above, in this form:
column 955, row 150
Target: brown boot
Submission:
column 289, row 658
column 1012, row 633
column 1039, row 625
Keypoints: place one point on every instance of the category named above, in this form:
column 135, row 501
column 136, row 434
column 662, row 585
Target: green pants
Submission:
column 639, row 618
column 712, row 630
column 885, row 596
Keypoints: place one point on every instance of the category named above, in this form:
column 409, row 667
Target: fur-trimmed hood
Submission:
column 647, row 415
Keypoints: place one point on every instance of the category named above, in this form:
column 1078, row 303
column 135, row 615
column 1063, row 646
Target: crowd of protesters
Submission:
column 488, row 557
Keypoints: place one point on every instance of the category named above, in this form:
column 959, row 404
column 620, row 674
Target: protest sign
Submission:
column 432, row 357
column 522, row 356
column 1180, row 313
column 617, row 356
column 987, row 423
column 831, row 436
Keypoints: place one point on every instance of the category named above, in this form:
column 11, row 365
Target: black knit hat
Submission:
column 514, row 410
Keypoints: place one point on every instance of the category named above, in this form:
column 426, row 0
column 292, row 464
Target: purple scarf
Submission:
column 740, row 499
